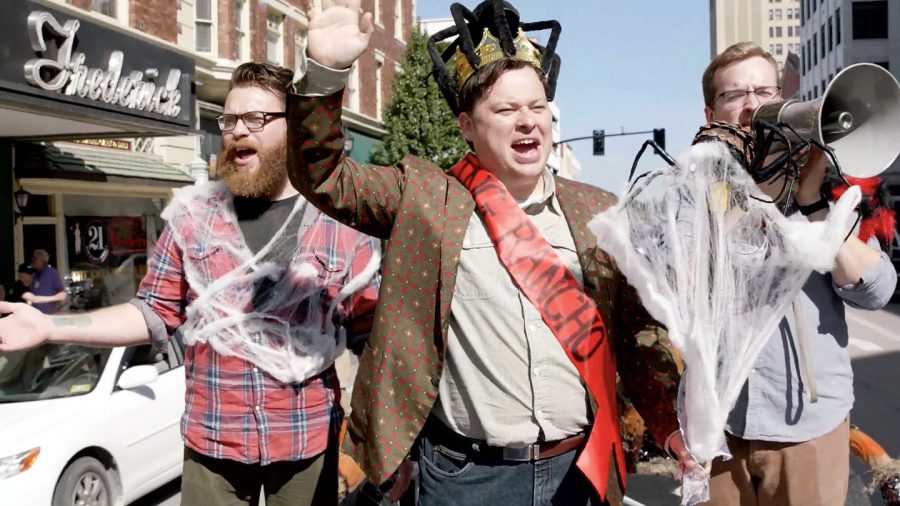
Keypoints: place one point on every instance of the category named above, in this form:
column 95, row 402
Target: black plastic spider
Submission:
column 753, row 151
column 501, row 19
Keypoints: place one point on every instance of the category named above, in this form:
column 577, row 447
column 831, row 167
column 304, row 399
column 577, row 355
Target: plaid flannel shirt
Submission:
column 234, row 410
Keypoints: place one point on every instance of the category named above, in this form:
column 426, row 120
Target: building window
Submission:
column 803, row 61
column 771, row 14
column 870, row 20
column 809, row 52
column 814, row 11
column 240, row 29
column 299, row 51
column 815, row 91
column 771, row 32
column 790, row 13
column 837, row 26
column 398, row 19
column 830, row 34
column 778, row 14
column 778, row 32
column 353, row 87
column 203, row 25
column 107, row 7
column 822, row 41
column 815, row 48
column 779, row 49
column 274, row 41
column 379, row 81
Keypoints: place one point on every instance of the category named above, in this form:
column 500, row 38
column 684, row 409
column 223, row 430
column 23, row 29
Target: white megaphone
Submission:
column 858, row 116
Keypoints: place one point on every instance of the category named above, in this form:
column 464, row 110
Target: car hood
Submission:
column 29, row 424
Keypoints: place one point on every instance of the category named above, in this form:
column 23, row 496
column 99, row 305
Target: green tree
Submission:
column 418, row 121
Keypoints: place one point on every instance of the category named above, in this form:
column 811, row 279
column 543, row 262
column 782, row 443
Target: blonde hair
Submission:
column 733, row 54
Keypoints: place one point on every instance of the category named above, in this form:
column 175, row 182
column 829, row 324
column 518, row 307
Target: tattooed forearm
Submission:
column 72, row 321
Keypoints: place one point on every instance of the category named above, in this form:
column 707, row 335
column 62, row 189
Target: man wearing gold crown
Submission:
column 493, row 357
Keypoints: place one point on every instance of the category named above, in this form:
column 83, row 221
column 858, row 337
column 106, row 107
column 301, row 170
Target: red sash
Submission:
column 545, row 280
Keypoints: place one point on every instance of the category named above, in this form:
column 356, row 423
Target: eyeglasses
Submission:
column 253, row 120
column 763, row 94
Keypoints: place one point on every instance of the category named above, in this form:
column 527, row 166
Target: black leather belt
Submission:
column 441, row 435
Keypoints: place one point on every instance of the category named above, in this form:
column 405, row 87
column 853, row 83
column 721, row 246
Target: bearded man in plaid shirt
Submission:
column 266, row 292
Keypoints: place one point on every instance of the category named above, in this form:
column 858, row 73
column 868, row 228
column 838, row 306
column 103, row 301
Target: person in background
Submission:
column 22, row 283
column 46, row 291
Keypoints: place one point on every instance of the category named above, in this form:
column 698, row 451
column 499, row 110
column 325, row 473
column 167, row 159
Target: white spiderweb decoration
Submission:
column 719, row 270
column 272, row 309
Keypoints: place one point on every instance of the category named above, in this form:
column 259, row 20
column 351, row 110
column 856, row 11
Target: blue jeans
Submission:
column 450, row 478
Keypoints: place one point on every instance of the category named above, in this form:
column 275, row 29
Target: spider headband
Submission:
column 496, row 27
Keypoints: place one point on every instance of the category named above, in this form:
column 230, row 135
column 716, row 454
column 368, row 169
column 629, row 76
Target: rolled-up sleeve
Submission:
column 161, row 296
column 876, row 286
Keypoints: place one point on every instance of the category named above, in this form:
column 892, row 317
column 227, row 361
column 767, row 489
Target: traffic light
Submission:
column 659, row 137
column 599, row 142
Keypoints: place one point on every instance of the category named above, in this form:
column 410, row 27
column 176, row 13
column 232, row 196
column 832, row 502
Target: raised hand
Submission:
column 339, row 34
column 22, row 327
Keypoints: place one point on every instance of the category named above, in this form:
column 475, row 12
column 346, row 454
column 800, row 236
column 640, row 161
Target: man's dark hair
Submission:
column 271, row 78
column 481, row 83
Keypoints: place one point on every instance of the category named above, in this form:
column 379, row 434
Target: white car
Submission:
column 89, row 426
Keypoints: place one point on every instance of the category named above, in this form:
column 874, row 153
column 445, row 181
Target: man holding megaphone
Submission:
column 789, row 430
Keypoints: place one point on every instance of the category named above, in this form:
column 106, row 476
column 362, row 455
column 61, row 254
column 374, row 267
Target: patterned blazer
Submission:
column 424, row 212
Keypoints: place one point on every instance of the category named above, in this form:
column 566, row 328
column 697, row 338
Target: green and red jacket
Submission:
column 423, row 213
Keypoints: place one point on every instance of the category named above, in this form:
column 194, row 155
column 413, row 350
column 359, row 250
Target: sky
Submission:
column 626, row 65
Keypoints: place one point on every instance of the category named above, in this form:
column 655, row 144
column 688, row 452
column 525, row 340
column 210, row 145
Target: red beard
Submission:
column 266, row 181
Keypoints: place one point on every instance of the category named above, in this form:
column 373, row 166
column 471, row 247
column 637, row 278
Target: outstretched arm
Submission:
column 162, row 294
column 25, row 327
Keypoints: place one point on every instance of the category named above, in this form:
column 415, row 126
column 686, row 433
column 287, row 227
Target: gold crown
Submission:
column 489, row 50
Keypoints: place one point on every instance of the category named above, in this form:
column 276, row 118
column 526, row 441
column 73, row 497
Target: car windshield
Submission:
column 50, row 371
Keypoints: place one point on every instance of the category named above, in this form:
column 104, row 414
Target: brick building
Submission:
column 188, row 48
column 220, row 34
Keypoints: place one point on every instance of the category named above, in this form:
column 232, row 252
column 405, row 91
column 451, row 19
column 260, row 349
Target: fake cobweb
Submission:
column 280, row 308
column 719, row 269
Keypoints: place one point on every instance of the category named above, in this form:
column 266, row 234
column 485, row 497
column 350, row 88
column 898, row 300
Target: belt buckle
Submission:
column 525, row 454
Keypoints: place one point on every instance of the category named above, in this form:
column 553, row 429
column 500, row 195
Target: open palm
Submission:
column 23, row 327
column 338, row 34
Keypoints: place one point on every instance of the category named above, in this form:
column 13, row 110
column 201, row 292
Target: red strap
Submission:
column 545, row 280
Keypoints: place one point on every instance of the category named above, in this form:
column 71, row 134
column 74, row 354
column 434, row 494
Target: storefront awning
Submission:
column 65, row 161
column 64, row 75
